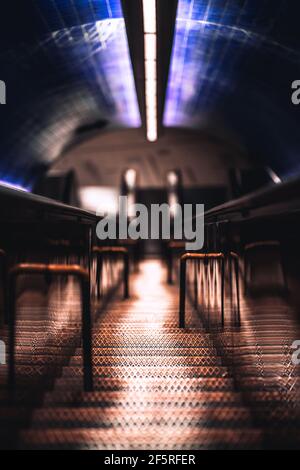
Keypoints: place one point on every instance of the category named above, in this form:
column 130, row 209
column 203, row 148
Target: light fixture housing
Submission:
column 150, row 43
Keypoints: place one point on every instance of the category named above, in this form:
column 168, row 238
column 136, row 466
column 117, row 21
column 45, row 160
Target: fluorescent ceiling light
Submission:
column 151, row 87
column 150, row 68
column 149, row 11
column 151, row 134
column 151, row 129
column 150, row 46
column 151, row 113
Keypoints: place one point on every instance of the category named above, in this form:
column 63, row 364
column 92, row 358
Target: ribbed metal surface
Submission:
column 157, row 387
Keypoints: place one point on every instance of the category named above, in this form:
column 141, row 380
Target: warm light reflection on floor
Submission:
column 161, row 371
column 158, row 387
column 152, row 298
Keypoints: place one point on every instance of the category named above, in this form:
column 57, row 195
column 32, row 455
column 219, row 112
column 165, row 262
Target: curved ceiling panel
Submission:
column 233, row 64
column 66, row 67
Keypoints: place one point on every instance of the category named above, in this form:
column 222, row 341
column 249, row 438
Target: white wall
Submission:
column 204, row 160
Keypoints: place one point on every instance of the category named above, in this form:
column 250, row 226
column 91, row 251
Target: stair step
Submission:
column 149, row 438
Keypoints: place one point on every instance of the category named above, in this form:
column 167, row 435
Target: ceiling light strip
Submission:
column 150, row 41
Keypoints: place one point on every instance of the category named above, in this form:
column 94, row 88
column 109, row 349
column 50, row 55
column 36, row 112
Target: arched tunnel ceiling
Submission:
column 233, row 64
column 66, row 67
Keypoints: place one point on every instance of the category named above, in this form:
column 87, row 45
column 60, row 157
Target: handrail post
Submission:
column 182, row 292
column 4, row 284
column 11, row 307
column 170, row 265
column 173, row 245
column 126, row 275
column 99, row 268
column 72, row 270
column 237, row 278
column 196, row 284
column 87, row 336
column 100, row 251
column 223, row 292
column 235, row 258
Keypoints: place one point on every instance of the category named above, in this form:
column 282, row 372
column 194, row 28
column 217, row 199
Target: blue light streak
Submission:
column 213, row 40
column 91, row 38
column 6, row 184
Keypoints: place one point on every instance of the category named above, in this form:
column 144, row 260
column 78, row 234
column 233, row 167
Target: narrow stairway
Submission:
column 156, row 387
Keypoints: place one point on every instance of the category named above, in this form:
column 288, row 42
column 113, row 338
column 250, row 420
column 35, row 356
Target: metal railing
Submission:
column 173, row 247
column 52, row 270
column 3, row 262
column 54, row 239
column 231, row 232
column 100, row 252
column 202, row 257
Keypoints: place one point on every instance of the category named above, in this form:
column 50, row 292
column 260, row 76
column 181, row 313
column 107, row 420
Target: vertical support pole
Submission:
column 4, row 280
column 87, row 336
column 237, row 280
column 182, row 293
column 89, row 253
column 170, row 265
column 232, row 306
column 136, row 256
column 206, row 267
column 84, row 279
column 126, row 275
column 97, row 278
column 11, row 305
column 223, row 292
column 87, row 320
column 100, row 252
column 246, row 264
column 196, row 284
column 5, row 290
column 100, row 274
